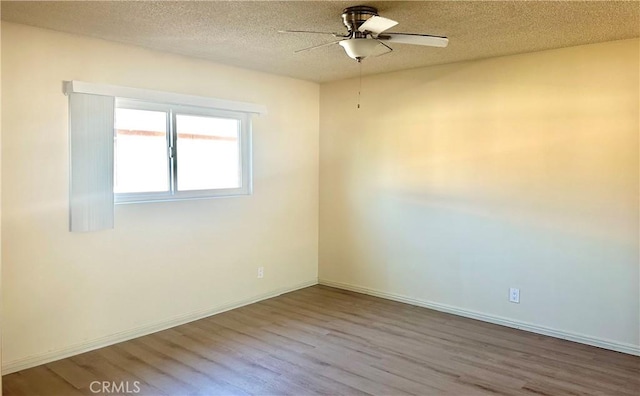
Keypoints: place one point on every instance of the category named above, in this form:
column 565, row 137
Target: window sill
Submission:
column 137, row 199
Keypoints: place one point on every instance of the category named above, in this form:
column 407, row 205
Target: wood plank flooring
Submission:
column 325, row 341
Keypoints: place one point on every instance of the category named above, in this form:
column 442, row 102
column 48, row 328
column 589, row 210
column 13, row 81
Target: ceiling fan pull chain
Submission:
column 359, row 82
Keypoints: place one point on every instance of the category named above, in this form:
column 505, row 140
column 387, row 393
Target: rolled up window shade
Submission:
column 91, row 123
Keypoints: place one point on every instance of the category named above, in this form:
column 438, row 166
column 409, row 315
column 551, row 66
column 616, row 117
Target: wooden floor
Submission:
column 321, row 340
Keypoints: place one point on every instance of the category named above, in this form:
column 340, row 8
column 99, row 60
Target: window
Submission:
column 170, row 152
column 187, row 148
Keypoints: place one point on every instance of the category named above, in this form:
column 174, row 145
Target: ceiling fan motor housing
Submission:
column 353, row 17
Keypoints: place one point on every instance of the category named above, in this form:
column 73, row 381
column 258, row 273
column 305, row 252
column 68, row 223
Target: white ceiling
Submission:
column 245, row 33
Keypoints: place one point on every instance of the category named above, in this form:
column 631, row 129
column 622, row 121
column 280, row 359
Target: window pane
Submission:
column 208, row 153
column 141, row 160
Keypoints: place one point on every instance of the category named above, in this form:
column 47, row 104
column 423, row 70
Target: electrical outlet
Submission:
column 260, row 272
column 514, row 295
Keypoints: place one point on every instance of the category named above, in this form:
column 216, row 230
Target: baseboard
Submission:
column 583, row 339
column 36, row 360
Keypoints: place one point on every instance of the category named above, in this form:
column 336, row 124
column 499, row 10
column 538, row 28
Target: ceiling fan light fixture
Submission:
column 359, row 48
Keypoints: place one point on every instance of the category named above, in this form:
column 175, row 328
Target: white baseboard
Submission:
column 36, row 360
column 583, row 339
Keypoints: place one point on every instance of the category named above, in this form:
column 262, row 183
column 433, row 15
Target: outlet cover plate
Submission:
column 514, row 295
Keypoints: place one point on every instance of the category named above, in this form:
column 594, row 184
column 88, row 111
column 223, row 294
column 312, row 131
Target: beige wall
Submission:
column 453, row 183
column 449, row 185
column 1, row 322
column 163, row 260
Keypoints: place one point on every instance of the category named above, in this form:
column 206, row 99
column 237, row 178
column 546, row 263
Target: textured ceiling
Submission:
column 244, row 33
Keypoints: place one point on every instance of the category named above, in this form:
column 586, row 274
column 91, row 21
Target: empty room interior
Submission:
column 320, row 198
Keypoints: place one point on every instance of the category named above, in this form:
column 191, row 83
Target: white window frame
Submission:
column 173, row 152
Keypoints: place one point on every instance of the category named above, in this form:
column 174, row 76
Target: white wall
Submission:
column 453, row 183
column 162, row 261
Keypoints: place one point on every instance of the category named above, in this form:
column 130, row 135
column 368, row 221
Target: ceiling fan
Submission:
column 365, row 34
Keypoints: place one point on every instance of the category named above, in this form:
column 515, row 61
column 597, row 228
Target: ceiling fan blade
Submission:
column 377, row 24
column 316, row 46
column 416, row 39
column 311, row 32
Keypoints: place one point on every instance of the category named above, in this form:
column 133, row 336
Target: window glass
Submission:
column 141, row 160
column 208, row 153
column 166, row 152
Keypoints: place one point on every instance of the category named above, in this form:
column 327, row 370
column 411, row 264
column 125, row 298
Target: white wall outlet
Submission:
column 260, row 272
column 514, row 295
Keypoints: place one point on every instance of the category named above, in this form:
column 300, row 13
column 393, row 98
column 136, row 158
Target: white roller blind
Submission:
column 91, row 123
